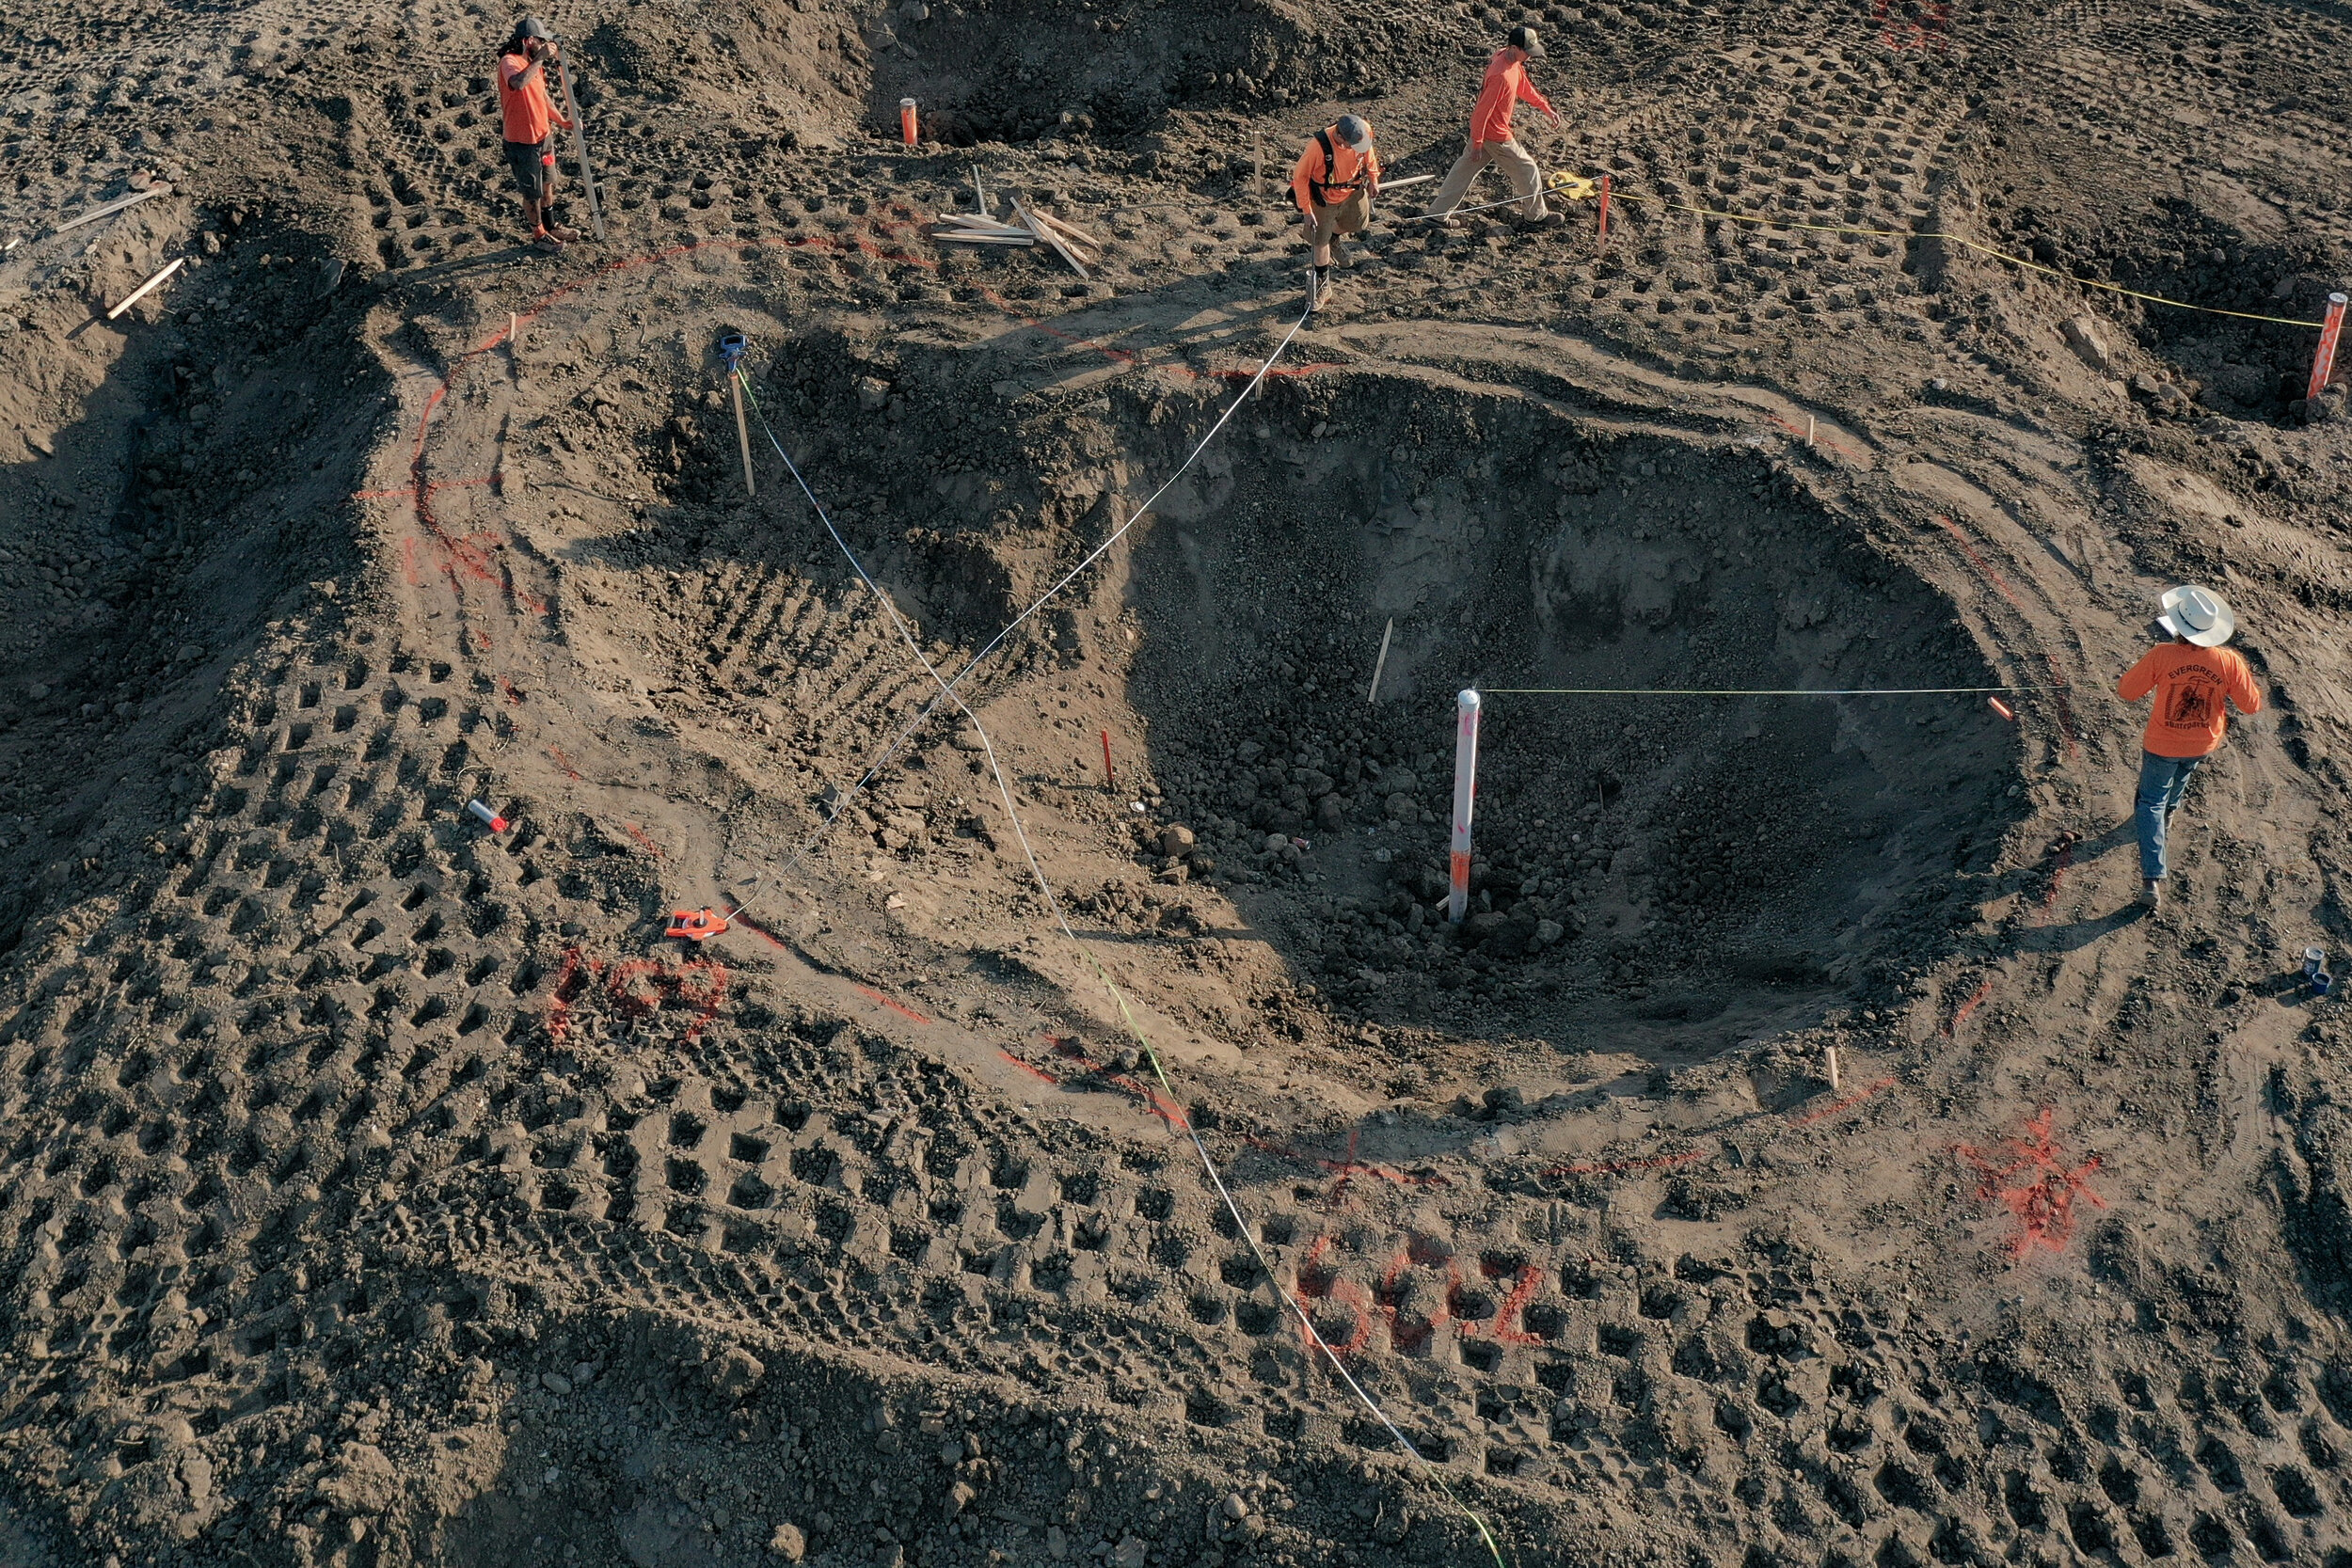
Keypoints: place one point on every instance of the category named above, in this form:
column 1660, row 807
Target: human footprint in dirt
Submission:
column 528, row 114
column 2193, row 677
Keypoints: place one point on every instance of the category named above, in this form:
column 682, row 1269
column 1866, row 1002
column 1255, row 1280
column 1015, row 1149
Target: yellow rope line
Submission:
column 1981, row 250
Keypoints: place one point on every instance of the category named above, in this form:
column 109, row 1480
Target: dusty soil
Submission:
column 379, row 1189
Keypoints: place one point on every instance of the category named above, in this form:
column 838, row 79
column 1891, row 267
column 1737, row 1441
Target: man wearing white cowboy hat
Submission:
column 2193, row 675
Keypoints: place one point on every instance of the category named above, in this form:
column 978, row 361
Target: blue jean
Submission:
column 2162, row 783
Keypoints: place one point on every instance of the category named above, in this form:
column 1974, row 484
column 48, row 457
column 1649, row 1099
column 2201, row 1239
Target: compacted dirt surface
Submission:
column 1807, row 1152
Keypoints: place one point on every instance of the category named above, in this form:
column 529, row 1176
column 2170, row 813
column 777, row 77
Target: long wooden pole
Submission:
column 743, row 431
column 579, row 146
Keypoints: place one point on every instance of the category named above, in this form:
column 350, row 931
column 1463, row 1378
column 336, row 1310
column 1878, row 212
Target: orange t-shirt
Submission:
column 527, row 113
column 2191, row 684
column 1506, row 88
column 1348, row 167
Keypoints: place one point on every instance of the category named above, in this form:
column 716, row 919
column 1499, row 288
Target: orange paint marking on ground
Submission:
column 1981, row 564
column 635, row 987
column 871, row 994
column 1848, row 1104
column 1320, row 1284
column 2029, row 1177
column 1966, row 1008
column 1037, row 1072
column 564, row 763
column 761, row 932
column 643, row 839
column 514, row 694
column 1516, row 1302
column 1067, row 1045
column 408, row 561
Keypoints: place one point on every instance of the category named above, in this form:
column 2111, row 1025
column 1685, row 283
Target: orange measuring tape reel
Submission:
column 695, row 925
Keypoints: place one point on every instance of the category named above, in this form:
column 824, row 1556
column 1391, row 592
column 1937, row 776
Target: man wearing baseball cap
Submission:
column 2193, row 675
column 1506, row 87
column 1337, row 177
column 525, row 112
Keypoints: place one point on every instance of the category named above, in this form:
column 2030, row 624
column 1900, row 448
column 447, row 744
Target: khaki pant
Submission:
column 1325, row 224
column 1527, row 180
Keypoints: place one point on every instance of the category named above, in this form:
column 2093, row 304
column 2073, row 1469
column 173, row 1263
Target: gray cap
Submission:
column 1525, row 39
column 532, row 27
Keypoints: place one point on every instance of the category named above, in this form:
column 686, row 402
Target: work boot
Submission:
column 2152, row 896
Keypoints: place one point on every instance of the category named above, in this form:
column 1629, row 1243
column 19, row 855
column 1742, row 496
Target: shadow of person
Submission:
column 2076, row 934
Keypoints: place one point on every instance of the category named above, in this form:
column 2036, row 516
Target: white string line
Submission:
column 1053, row 905
column 890, row 749
column 1799, row 691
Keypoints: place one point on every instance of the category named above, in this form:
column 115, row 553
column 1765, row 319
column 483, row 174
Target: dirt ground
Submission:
column 1807, row 1152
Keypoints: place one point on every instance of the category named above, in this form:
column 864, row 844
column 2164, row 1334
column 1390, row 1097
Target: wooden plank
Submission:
column 1049, row 237
column 111, row 208
column 580, row 143
column 952, row 236
column 977, row 226
column 1068, row 231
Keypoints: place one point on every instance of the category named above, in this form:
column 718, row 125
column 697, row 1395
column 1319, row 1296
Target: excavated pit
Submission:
column 1671, row 870
column 1668, row 873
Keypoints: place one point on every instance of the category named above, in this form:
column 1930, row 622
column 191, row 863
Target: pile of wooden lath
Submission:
column 1036, row 227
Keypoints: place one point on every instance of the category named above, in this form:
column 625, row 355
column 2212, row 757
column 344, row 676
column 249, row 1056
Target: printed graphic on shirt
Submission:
column 2191, row 705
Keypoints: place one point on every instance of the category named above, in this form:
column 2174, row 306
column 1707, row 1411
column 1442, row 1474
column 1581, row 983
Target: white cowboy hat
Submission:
column 2197, row 614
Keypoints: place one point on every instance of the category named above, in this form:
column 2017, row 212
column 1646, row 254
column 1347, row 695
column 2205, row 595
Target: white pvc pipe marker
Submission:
column 1465, row 795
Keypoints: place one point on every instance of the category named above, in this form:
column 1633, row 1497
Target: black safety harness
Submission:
column 1317, row 189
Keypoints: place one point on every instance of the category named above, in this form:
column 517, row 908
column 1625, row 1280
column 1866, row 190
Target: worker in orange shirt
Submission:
column 526, row 114
column 2193, row 675
column 1337, row 177
column 1490, row 142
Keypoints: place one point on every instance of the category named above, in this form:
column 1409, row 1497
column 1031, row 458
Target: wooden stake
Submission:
column 1834, row 1084
column 147, row 287
column 742, row 432
column 1108, row 782
column 1381, row 663
column 1048, row 237
column 110, row 208
column 1257, row 166
column 579, row 146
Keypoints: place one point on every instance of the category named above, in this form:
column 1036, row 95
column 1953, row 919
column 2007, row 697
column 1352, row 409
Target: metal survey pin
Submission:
column 498, row 823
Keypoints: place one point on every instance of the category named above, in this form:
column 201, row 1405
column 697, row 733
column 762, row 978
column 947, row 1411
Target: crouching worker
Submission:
column 1337, row 177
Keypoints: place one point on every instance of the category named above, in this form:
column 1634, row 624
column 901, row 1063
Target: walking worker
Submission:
column 527, row 113
column 2192, row 675
column 1337, row 177
column 1490, row 142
